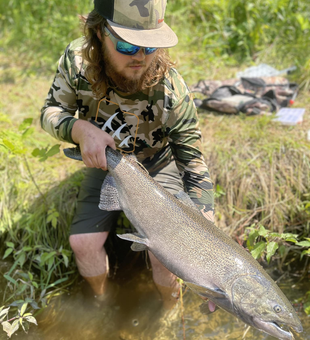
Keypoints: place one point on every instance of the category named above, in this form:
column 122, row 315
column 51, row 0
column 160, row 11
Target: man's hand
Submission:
column 92, row 142
column 208, row 215
column 212, row 306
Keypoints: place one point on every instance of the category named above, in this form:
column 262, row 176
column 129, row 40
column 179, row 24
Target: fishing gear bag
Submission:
column 252, row 96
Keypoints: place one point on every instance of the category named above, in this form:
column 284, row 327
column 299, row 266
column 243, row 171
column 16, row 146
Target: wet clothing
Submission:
column 157, row 125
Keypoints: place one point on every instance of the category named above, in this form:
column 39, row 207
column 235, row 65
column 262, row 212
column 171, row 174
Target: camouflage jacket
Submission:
column 156, row 124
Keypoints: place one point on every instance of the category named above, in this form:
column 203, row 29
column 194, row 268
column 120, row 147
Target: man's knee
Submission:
column 83, row 244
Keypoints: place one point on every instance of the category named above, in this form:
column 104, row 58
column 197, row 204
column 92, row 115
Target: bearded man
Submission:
column 119, row 75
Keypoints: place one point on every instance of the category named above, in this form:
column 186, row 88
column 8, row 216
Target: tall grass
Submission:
column 261, row 173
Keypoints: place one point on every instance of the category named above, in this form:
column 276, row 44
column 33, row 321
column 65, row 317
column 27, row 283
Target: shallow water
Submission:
column 134, row 313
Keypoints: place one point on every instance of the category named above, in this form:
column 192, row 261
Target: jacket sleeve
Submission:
column 60, row 106
column 185, row 142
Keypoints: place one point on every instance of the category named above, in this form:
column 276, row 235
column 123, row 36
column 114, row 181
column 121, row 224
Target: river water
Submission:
column 134, row 313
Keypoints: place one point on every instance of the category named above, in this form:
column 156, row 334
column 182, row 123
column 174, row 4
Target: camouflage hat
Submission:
column 139, row 22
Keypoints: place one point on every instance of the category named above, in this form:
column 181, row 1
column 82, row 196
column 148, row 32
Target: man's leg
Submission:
column 165, row 282
column 91, row 259
column 89, row 231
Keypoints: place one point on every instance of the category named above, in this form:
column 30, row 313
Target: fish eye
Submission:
column 277, row 309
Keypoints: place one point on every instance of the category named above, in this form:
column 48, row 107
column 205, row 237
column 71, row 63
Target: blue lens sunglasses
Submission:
column 124, row 47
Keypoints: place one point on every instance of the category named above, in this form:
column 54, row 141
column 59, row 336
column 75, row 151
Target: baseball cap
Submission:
column 139, row 22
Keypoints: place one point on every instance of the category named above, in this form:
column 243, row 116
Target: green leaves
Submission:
column 8, row 252
column 25, row 124
column 307, row 303
column 271, row 249
column 45, row 153
column 21, row 319
column 219, row 191
column 10, row 328
column 259, row 248
column 15, row 142
column 4, row 313
column 261, row 242
column 23, row 309
column 47, row 259
column 303, row 243
column 9, row 278
column 18, row 143
column 52, row 217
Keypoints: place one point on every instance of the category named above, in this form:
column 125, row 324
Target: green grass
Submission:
column 261, row 169
column 211, row 33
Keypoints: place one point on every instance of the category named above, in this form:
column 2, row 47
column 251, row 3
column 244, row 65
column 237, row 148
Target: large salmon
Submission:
column 193, row 248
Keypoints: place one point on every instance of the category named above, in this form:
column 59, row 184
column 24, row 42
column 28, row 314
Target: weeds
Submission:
column 21, row 319
column 34, row 224
column 260, row 171
column 261, row 241
column 287, row 248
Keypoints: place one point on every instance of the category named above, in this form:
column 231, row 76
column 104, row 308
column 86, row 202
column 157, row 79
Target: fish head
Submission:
column 260, row 303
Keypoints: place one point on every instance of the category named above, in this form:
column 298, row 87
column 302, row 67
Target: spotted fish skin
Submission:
column 193, row 248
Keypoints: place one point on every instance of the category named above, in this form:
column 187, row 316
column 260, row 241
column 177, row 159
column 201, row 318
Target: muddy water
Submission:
column 133, row 312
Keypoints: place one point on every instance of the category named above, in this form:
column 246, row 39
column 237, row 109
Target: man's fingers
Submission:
column 112, row 144
column 212, row 306
column 102, row 161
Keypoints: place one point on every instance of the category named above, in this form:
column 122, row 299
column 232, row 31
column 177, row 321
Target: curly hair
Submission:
column 92, row 53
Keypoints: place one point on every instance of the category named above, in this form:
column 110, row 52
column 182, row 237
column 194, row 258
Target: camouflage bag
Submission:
column 252, row 96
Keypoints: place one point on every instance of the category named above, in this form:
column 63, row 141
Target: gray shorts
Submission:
column 90, row 219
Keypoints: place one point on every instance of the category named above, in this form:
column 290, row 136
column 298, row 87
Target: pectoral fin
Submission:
column 207, row 292
column 139, row 242
column 109, row 199
column 214, row 293
column 138, row 247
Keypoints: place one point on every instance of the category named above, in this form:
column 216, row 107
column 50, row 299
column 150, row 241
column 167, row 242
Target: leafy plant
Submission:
column 219, row 191
column 35, row 241
column 262, row 242
column 306, row 303
column 23, row 319
column 265, row 243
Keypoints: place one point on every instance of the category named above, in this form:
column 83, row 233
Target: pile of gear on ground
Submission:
column 258, row 90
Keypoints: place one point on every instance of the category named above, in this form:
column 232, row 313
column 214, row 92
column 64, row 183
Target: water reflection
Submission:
column 134, row 313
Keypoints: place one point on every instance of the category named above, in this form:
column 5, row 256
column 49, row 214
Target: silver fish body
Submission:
column 194, row 249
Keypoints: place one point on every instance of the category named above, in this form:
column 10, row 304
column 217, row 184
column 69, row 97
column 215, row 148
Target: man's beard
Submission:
column 125, row 84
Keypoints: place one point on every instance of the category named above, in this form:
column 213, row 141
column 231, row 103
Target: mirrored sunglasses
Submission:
column 124, row 47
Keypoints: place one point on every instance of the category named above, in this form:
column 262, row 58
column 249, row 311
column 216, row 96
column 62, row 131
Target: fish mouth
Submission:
column 274, row 329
